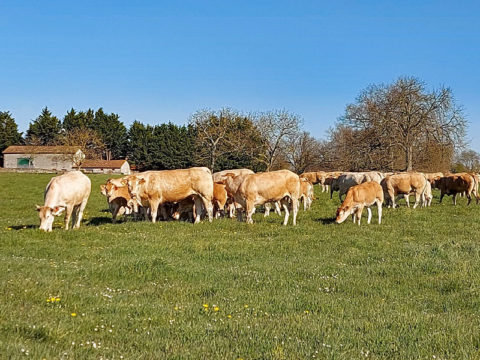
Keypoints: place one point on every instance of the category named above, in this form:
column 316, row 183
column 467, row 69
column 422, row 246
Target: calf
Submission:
column 118, row 197
column 68, row 192
column 359, row 196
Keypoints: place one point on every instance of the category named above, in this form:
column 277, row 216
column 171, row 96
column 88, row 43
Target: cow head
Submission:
column 103, row 189
column 134, row 188
column 47, row 215
column 343, row 213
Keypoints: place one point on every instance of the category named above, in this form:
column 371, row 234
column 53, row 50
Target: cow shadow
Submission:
column 23, row 227
column 99, row 220
column 326, row 221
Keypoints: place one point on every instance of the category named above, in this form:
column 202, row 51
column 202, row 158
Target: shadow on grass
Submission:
column 97, row 221
column 23, row 227
column 326, row 221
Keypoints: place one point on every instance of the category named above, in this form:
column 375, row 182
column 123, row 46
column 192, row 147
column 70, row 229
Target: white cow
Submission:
column 68, row 192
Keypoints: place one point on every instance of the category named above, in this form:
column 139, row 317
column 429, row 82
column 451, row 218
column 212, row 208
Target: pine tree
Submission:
column 73, row 120
column 112, row 132
column 44, row 130
column 140, row 138
column 9, row 134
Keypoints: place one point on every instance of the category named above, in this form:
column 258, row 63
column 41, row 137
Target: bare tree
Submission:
column 468, row 160
column 224, row 133
column 86, row 140
column 302, row 152
column 276, row 127
column 403, row 116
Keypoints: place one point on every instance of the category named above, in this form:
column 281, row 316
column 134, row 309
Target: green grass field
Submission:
column 406, row 289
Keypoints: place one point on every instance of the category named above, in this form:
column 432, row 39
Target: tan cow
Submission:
column 158, row 187
column 219, row 199
column 68, row 192
column 257, row 189
column 404, row 183
column 222, row 175
column 457, row 183
column 358, row 197
column 426, row 198
column 118, row 198
column 306, row 193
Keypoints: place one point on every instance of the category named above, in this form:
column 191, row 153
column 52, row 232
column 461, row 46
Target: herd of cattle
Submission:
column 195, row 193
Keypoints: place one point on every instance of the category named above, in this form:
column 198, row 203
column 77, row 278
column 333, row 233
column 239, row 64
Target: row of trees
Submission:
column 398, row 126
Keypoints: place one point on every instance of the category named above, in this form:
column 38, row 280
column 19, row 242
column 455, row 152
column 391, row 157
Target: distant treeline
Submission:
column 399, row 126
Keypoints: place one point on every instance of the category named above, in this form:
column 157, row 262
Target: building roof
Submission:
column 103, row 164
column 18, row 149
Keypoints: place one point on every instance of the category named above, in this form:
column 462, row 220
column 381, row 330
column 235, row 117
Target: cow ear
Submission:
column 115, row 187
column 142, row 181
column 221, row 182
column 57, row 210
column 230, row 175
column 38, row 208
column 124, row 182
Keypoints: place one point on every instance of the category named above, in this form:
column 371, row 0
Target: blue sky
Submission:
column 160, row 61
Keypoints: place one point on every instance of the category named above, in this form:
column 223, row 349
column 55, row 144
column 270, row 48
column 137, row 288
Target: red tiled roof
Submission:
column 17, row 149
column 103, row 164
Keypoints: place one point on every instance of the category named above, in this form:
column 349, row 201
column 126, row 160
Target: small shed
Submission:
column 106, row 166
column 41, row 157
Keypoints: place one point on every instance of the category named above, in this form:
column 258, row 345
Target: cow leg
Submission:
column 359, row 214
column 154, row 204
column 417, row 199
column 407, row 199
column 442, row 194
column 369, row 217
column 454, row 198
column 79, row 214
column 294, row 210
column 354, row 217
column 198, row 208
column 278, row 209
column 379, row 206
column 392, row 198
column 287, row 213
column 116, row 208
column 268, row 207
column 208, row 208
column 249, row 209
column 469, row 197
column 68, row 215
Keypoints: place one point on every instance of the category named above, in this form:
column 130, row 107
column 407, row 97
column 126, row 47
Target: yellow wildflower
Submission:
column 73, row 314
column 216, row 308
column 229, row 316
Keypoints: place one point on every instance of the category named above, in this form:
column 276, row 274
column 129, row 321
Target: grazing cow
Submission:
column 219, row 199
column 68, row 192
column 184, row 208
column 374, row 176
column 158, row 187
column 404, row 183
column 345, row 182
column 232, row 183
column 118, row 198
column 359, row 196
column 222, row 175
column 257, row 189
column 310, row 176
column 321, row 177
column 457, row 183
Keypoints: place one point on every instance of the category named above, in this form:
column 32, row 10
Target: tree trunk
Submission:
column 409, row 158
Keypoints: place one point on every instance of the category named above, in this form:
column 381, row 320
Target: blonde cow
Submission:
column 404, row 184
column 358, row 197
column 68, row 192
column 257, row 189
column 169, row 186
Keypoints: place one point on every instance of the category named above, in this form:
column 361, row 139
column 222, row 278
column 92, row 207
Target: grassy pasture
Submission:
column 407, row 289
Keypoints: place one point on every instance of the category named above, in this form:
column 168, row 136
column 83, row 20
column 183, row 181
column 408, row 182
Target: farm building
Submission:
column 106, row 166
column 56, row 158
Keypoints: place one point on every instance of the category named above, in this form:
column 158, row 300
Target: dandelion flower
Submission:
column 229, row 316
column 73, row 314
column 216, row 308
